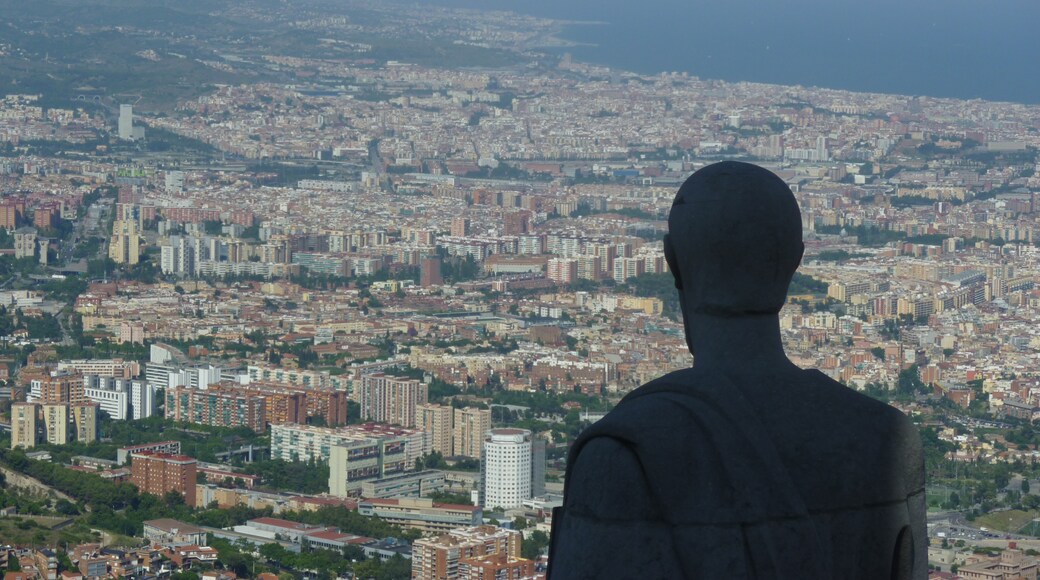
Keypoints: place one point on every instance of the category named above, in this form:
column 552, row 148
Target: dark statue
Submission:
column 743, row 466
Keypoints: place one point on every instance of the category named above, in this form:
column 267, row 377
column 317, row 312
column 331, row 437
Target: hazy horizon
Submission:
column 942, row 48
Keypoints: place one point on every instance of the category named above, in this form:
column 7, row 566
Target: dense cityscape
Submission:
column 337, row 309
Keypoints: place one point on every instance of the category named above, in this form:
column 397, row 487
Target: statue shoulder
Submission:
column 641, row 414
column 607, row 479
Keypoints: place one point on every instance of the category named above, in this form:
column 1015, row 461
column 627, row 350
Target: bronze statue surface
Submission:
column 743, row 466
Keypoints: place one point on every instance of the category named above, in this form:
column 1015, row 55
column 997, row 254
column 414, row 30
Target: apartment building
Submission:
column 158, row 473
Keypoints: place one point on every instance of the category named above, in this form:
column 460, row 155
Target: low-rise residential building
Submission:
column 172, row 533
column 416, row 484
column 421, row 513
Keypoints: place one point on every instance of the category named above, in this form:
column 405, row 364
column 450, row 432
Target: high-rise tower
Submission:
column 507, row 468
column 126, row 122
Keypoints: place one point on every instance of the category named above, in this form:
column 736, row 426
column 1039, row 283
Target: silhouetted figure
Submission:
column 744, row 466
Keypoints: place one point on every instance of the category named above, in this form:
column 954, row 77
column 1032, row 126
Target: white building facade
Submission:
column 507, row 468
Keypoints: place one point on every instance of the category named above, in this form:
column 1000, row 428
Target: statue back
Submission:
column 775, row 474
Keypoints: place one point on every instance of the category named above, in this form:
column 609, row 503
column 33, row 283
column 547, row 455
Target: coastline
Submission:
column 751, row 43
column 556, row 39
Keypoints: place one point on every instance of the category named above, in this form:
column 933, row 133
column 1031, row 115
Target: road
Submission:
column 953, row 526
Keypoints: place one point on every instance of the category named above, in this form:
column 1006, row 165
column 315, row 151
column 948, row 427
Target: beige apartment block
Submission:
column 56, row 423
column 436, row 421
column 470, row 426
column 23, row 425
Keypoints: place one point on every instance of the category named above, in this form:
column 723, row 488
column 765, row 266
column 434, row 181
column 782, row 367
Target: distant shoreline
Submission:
column 918, row 54
column 556, row 38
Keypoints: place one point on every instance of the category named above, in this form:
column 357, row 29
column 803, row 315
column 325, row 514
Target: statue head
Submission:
column 734, row 241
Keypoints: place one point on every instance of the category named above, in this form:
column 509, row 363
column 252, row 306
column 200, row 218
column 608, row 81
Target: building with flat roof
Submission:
column 126, row 122
column 56, row 423
column 121, row 398
column 469, row 427
column 436, row 420
column 216, row 408
column 170, row 447
column 512, row 469
column 85, row 421
column 438, row 557
column 389, row 399
column 292, row 442
column 421, row 513
column 158, row 473
column 353, row 462
column 173, row 533
column 1011, row 563
column 413, row 484
column 299, row 535
column 495, row 567
column 61, row 386
column 23, row 425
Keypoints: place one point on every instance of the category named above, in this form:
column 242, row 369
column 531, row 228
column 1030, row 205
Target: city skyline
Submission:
column 309, row 264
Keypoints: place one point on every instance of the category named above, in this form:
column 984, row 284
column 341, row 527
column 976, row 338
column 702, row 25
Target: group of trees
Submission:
column 201, row 441
column 804, row 284
column 351, row 522
column 656, row 285
column 326, row 562
column 312, row 477
column 459, row 269
column 866, row 235
column 86, row 488
column 435, row 460
column 909, row 383
column 120, row 508
column 838, row 256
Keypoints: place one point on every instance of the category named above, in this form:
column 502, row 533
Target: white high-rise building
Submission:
column 821, row 148
column 126, row 122
column 142, row 399
column 113, row 395
column 178, row 257
column 507, row 468
column 122, row 399
column 174, row 181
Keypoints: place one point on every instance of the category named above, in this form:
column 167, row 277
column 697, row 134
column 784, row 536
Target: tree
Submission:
column 534, row 544
column 66, row 508
column 1031, row 501
column 64, row 562
column 173, row 498
column 878, row 352
column 910, row 382
column 1025, row 486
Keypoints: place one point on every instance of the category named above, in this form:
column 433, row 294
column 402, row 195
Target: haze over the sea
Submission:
column 986, row 49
